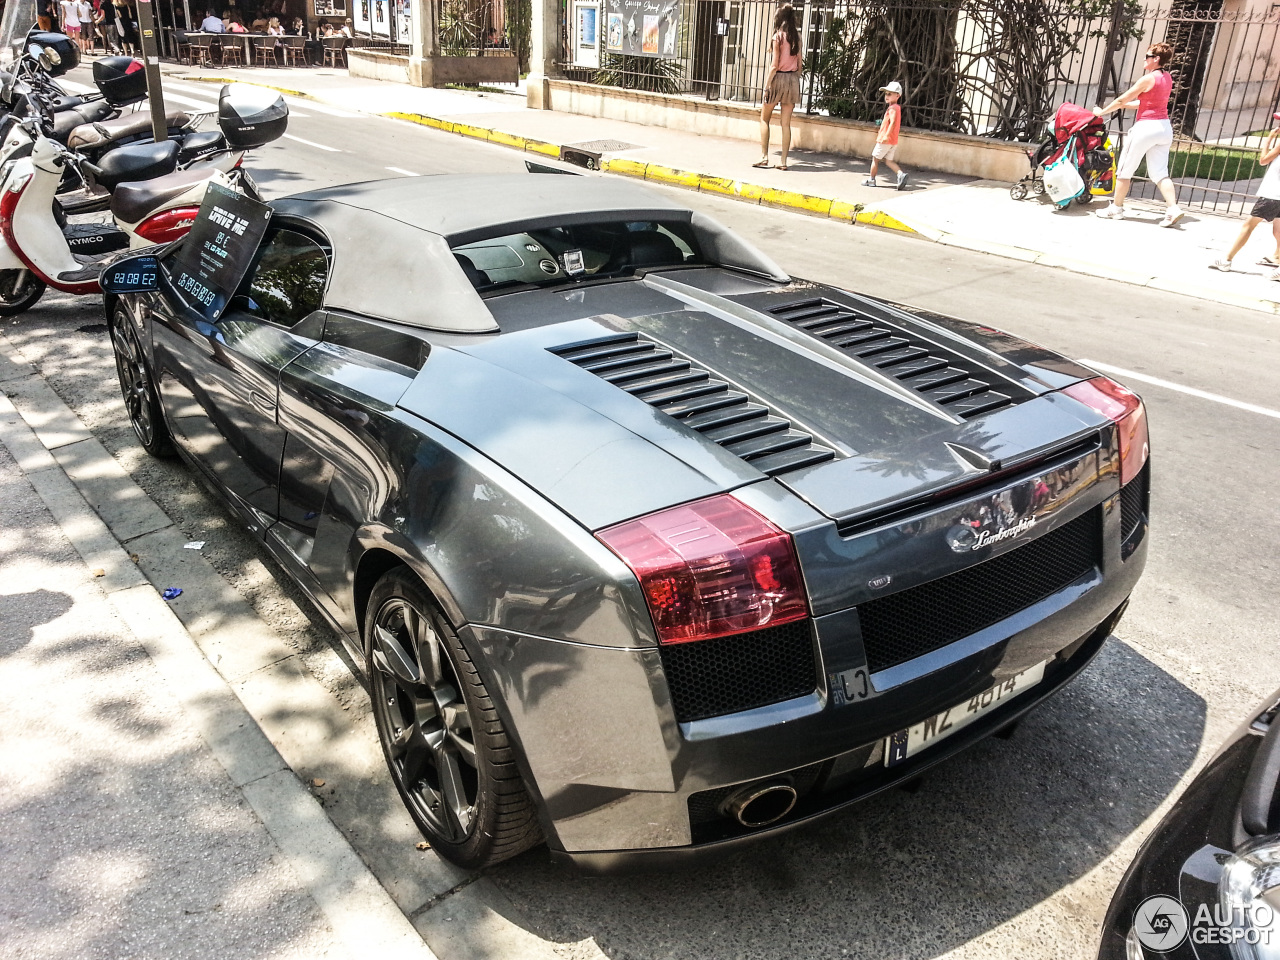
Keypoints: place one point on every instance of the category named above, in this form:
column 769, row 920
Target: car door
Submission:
column 218, row 381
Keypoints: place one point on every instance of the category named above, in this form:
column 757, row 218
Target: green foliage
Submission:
column 520, row 30
column 1012, row 56
column 651, row 74
column 1213, row 163
column 458, row 33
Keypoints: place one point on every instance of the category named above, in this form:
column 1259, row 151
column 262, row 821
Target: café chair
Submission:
column 294, row 50
column 264, row 49
column 200, row 49
column 335, row 50
column 232, row 50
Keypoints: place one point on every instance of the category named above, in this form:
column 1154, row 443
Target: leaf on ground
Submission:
column 317, row 783
column 135, row 558
column 99, row 572
column 422, row 845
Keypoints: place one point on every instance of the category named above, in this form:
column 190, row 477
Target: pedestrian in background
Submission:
column 782, row 82
column 71, row 21
column 104, row 26
column 1266, row 207
column 1150, row 137
column 887, row 136
column 84, row 13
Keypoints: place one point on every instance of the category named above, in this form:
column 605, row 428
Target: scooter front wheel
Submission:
column 19, row 291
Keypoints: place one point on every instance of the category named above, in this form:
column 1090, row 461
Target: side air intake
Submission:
column 683, row 390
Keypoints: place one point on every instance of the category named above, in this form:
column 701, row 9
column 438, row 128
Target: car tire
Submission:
column 447, row 750
column 19, row 291
column 141, row 403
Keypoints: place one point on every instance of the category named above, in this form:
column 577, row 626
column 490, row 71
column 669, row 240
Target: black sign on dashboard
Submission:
column 217, row 253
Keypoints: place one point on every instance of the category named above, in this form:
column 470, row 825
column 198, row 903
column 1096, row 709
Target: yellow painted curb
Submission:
column 475, row 133
column 436, row 122
column 878, row 218
column 721, row 185
column 551, row 150
column 679, row 178
column 626, row 168
column 747, row 191
column 506, row 139
column 848, row 212
column 796, row 201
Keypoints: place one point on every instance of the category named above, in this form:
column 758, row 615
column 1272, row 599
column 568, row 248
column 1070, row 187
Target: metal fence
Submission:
column 998, row 68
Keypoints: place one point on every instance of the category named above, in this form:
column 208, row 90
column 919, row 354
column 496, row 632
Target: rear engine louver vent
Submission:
column 701, row 402
column 957, row 385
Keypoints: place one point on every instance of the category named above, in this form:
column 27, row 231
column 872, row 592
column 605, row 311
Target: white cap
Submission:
column 894, row 87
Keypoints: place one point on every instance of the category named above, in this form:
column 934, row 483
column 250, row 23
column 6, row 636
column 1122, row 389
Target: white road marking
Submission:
column 311, row 143
column 321, row 108
column 407, row 173
column 1190, row 391
column 76, row 88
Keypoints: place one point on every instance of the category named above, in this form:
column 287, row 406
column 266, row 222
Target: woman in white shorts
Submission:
column 1150, row 136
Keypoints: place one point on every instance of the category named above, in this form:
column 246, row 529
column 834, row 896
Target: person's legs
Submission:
column 1275, row 232
column 1246, row 229
column 787, row 109
column 766, row 112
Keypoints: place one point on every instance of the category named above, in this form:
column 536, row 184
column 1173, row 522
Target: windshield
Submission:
column 19, row 17
column 571, row 252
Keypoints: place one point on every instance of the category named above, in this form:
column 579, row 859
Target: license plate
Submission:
column 909, row 742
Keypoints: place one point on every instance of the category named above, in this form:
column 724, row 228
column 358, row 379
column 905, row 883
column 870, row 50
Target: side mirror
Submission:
column 130, row 275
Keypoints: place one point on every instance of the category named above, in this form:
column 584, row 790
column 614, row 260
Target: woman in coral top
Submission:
column 782, row 84
column 1150, row 136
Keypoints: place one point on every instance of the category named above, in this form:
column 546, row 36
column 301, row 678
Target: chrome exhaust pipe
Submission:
column 760, row 804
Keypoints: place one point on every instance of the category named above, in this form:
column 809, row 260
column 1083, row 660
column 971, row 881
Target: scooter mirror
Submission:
column 130, row 275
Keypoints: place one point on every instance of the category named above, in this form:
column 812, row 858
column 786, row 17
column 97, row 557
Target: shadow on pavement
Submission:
column 988, row 836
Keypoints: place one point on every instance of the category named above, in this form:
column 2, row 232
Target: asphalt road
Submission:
column 1012, row 849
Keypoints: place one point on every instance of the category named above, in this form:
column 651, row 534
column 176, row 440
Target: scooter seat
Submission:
column 200, row 143
column 133, row 124
column 132, row 202
column 137, row 161
column 69, row 119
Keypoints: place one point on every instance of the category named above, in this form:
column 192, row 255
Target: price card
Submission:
column 218, row 251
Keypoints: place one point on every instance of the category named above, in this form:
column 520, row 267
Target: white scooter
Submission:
column 38, row 252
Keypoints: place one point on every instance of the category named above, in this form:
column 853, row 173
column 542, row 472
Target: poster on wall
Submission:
column 586, row 33
column 642, row 28
column 382, row 18
column 361, row 17
column 404, row 21
column 331, row 8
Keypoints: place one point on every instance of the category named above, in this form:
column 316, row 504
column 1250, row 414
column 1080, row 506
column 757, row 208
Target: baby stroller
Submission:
column 1091, row 154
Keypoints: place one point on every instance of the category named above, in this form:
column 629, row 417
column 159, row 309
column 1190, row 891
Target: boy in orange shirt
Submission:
column 887, row 138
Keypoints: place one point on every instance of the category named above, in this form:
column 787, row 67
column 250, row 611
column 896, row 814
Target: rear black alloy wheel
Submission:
column 447, row 750
column 19, row 291
column 140, row 400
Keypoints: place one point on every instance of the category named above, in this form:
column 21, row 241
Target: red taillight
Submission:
column 169, row 225
column 711, row 568
column 1130, row 416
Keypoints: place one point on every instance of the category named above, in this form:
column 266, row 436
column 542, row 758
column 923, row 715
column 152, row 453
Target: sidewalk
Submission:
column 974, row 214
column 143, row 813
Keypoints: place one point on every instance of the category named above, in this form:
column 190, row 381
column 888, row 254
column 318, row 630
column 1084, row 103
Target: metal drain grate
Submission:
column 604, row 146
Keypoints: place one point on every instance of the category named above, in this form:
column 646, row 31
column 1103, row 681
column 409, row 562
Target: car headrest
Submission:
column 476, row 276
column 651, row 249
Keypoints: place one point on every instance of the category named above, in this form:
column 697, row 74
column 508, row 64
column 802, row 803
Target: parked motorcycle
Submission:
column 42, row 249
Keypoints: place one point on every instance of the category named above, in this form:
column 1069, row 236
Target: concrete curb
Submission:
column 673, row 177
